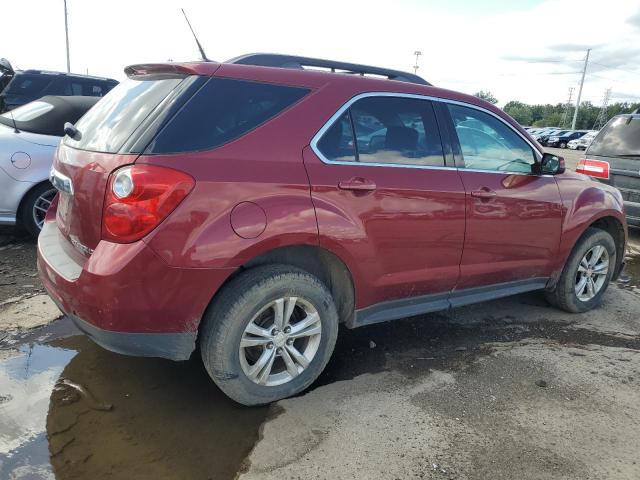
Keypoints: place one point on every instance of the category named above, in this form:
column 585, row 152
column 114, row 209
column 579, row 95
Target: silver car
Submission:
column 29, row 136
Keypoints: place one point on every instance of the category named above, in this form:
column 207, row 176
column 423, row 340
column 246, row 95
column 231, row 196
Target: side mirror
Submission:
column 551, row 164
column 72, row 131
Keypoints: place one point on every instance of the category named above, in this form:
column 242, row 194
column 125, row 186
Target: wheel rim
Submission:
column 280, row 341
column 592, row 273
column 40, row 207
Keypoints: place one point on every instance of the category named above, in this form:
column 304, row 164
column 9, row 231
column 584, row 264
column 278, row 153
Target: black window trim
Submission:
column 445, row 135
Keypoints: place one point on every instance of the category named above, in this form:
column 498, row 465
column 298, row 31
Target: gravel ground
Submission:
column 505, row 389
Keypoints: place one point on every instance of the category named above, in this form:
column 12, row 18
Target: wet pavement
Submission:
column 70, row 409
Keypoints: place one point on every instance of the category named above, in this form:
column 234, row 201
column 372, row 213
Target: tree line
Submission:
column 553, row 115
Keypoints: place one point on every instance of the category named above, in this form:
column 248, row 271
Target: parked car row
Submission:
column 562, row 138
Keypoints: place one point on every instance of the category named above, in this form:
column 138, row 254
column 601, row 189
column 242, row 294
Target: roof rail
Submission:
column 293, row 61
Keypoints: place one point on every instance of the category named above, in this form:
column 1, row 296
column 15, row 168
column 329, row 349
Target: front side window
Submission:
column 396, row 130
column 488, row 144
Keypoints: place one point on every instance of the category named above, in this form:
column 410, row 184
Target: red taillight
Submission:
column 138, row 198
column 593, row 168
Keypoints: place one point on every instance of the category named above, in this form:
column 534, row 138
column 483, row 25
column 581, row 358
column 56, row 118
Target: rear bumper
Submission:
column 125, row 297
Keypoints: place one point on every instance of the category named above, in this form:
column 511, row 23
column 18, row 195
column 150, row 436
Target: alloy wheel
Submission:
column 41, row 205
column 280, row 341
column 592, row 273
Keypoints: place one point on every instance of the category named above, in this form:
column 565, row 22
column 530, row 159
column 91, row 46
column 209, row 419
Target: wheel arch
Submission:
column 615, row 228
column 317, row 261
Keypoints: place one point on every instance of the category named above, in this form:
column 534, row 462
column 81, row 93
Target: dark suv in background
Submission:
column 21, row 87
column 614, row 158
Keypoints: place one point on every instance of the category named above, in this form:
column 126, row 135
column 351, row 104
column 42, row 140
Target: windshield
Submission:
column 28, row 112
column 108, row 125
column 620, row 137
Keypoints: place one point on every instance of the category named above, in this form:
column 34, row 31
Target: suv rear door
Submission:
column 387, row 202
column 618, row 143
column 513, row 216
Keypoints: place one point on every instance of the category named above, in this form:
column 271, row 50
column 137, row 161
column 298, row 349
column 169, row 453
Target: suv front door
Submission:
column 387, row 203
column 513, row 216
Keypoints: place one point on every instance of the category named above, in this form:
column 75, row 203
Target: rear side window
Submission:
column 620, row 137
column 221, row 111
column 391, row 130
column 388, row 131
column 337, row 143
column 28, row 84
column 113, row 119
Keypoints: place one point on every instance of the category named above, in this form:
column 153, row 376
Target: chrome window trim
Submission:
column 329, row 123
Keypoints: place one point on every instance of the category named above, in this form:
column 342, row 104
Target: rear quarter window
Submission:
column 620, row 137
column 221, row 111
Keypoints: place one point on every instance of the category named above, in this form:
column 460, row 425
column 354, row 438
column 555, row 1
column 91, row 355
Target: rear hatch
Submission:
column 161, row 110
column 112, row 134
column 618, row 143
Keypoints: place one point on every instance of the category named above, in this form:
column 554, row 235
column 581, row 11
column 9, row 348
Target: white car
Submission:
column 29, row 136
column 583, row 142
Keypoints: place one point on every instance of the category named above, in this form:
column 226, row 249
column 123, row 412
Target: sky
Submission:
column 527, row 50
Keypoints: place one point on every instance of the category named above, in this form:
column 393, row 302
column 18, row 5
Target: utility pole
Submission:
column 66, row 34
column 584, row 71
column 602, row 115
column 567, row 109
column 417, row 53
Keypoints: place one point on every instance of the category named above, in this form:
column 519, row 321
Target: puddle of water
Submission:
column 632, row 270
column 72, row 410
column 166, row 419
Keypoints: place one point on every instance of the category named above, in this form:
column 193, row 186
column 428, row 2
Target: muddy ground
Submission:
column 508, row 389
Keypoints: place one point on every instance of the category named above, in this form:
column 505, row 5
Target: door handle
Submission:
column 484, row 192
column 357, row 184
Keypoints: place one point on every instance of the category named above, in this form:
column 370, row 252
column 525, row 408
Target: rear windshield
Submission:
column 620, row 137
column 113, row 119
column 220, row 111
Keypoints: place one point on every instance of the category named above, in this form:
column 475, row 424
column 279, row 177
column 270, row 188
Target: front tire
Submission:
column 269, row 334
column 587, row 273
column 563, row 144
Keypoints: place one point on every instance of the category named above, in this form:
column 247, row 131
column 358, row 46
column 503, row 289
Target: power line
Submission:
column 615, row 68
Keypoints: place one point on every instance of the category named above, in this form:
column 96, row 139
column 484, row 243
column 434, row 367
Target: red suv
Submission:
column 249, row 207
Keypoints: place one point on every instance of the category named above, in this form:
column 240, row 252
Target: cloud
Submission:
column 634, row 20
column 573, row 47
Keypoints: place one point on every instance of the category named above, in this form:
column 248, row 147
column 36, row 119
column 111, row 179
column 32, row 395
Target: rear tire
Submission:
column 239, row 332
column 34, row 207
column 563, row 144
column 568, row 294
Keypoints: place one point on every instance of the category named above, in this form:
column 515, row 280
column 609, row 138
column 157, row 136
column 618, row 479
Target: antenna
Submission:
column 15, row 126
column 202, row 54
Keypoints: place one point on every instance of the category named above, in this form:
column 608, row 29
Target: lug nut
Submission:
column 274, row 332
column 287, row 330
column 269, row 345
column 290, row 341
column 279, row 350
